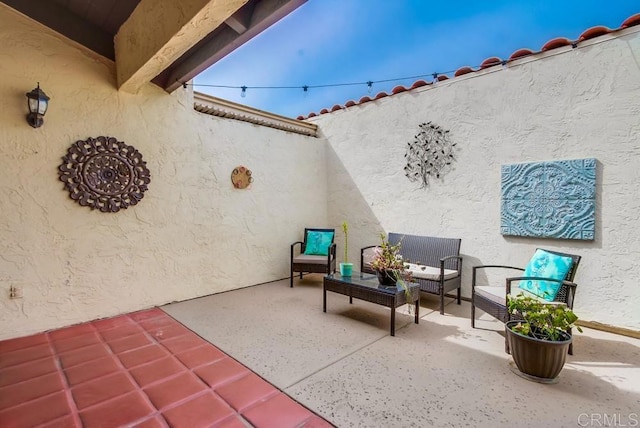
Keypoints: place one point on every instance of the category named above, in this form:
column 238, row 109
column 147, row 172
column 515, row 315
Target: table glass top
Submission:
column 369, row 280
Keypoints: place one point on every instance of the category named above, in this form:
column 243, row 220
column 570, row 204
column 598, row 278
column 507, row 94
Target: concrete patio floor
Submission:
column 345, row 366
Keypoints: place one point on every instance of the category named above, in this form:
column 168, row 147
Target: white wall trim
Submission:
column 208, row 104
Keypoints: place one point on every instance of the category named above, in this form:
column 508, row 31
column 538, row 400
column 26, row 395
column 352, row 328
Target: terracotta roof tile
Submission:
column 520, row 53
column 594, row 32
column 558, row 42
column 490, row 62
column 463, row 70
column 631, row 21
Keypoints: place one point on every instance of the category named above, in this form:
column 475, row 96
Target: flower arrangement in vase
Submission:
column 389, row 265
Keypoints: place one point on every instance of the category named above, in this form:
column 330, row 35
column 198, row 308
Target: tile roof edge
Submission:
column 585, row 38
column 214, row 106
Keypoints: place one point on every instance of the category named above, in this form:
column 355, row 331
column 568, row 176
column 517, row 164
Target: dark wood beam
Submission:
column 223, row 42
column 241, row 20
column 61, row 20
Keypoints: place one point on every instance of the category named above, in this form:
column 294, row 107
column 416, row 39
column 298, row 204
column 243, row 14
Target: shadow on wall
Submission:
column 346, row 203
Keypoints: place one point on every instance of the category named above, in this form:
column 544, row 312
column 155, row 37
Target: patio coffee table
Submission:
column 365, row 287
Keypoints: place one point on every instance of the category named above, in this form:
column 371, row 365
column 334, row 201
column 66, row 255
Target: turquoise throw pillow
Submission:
column 546, row 265
column 318, row 243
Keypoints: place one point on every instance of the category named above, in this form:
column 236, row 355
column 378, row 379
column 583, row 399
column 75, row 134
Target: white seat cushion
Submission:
column 310, row 259
column 499, row 294
column 430, row 272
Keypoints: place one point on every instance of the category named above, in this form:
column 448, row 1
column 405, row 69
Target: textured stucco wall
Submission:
column 575, row 104
column 191, row 235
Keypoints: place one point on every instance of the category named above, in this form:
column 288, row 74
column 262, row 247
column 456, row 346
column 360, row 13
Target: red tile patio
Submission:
column 143, row 369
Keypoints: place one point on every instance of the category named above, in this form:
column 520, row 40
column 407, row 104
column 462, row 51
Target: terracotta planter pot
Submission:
column 542, row 359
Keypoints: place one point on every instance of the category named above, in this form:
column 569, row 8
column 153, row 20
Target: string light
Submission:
column 369, row 83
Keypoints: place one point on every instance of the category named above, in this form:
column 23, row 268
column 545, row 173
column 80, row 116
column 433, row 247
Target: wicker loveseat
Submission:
column 435, row 263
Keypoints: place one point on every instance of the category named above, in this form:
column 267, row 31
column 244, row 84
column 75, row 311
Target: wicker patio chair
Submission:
column 310, row 263
column 493, row 299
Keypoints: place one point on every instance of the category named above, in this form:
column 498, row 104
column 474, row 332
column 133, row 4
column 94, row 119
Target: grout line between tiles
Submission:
column 65, row 382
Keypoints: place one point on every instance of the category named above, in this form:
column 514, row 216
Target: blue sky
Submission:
column 326, row 42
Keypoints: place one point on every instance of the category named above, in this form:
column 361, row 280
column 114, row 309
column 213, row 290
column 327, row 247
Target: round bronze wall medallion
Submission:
column 104, row 173
column 241, row 177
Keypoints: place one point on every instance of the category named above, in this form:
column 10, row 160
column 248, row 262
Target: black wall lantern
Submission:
column 38, row 102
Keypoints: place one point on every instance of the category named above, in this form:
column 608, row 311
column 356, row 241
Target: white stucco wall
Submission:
column 567, row 105
column 193, row 234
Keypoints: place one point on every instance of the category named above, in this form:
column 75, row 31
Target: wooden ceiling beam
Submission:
column 241, row 20
column 158, row 32
column 225, row 40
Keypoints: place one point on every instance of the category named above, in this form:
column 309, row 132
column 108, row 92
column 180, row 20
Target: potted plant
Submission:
column 540, row 336
column 389, row 265
column 346, row 268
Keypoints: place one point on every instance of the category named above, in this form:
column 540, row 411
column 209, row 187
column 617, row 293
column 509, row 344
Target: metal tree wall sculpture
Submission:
column 104, row 173
column 429, row 154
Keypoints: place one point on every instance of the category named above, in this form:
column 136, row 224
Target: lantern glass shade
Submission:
column 38, row 102
column 37, row 106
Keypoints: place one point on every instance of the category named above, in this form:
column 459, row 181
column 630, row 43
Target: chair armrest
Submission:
column 293, row 245
column 331, row 252
column 444, row 259
column 362, row 256
column 475, row 268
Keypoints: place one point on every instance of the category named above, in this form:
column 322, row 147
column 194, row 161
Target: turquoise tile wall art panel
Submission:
column 549, row 199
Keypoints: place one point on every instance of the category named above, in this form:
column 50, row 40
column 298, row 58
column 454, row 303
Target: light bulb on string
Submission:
column 369, row 86
column 435, row 78
column 305, row 88
column 505, row 64
column 243, row 94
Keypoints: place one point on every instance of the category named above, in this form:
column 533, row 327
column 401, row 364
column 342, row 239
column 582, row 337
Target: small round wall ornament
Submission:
column 241, row 177
column 104, row 173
